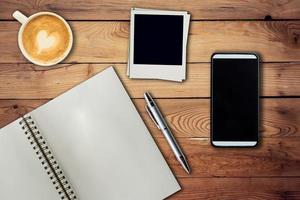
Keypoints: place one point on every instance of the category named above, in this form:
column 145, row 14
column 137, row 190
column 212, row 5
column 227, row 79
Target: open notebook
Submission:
column 89, row 143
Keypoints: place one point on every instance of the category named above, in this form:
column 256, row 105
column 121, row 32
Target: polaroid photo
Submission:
column 158, row 42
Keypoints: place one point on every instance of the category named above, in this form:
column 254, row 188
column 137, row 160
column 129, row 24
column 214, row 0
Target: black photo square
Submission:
column 158, row 39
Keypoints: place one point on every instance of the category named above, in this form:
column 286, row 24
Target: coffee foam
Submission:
column 46, row 39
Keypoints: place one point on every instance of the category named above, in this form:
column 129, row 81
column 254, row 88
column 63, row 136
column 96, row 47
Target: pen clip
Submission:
column 151, row 116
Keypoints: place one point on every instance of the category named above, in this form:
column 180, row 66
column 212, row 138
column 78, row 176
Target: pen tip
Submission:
column 146, row 95
column 185, row 164
column 187, row 169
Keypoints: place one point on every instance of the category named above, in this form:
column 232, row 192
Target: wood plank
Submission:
column 274, row 157
column 279, row 156
column 108, row 41
column 238, row 188
column 21, row 81
column 119, row 9
column 189, row 117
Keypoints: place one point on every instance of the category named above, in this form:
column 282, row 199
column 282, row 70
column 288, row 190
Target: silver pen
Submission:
column 161, row 124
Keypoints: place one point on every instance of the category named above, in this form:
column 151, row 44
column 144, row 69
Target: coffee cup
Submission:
column 44, row 38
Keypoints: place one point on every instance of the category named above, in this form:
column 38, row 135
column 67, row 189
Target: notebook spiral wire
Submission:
column 48, row 161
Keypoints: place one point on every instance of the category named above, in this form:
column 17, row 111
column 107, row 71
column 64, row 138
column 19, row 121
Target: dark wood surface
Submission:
column 107, row 41
column 118, row 9
column 101, row 29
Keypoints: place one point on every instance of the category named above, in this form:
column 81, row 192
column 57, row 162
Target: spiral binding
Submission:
column 48, row 161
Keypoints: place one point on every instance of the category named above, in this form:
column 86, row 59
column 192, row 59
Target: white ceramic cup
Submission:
column 24, row 21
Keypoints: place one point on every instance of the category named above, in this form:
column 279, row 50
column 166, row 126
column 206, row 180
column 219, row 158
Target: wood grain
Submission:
column 272, row 158
column 119, row 9
column 108, row 41
column 238, row 188
column 269, row 171
column 189, row 118
column 279, row 156
column 27, row 81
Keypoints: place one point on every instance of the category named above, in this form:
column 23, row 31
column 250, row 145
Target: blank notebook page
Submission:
column 21, row 173
column 102, row 144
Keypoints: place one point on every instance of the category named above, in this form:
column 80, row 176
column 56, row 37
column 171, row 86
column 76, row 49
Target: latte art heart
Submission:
column 45, row 41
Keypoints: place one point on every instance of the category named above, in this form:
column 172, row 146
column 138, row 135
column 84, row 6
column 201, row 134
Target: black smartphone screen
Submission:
column 235, row 99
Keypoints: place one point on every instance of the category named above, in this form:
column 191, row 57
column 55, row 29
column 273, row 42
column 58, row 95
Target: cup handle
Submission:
column 20, row 17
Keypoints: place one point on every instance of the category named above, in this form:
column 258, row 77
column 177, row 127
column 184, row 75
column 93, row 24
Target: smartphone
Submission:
column 234, row 99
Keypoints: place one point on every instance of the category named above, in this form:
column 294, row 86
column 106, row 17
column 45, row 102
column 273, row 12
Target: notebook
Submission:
column 88, row 143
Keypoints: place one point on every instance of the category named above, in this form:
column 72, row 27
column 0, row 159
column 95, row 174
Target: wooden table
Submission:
column 101, row 29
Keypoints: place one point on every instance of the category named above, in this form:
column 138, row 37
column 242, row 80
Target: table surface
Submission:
column 101, row 29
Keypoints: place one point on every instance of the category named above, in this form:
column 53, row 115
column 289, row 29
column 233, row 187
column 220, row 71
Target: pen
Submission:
column 161, row 124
